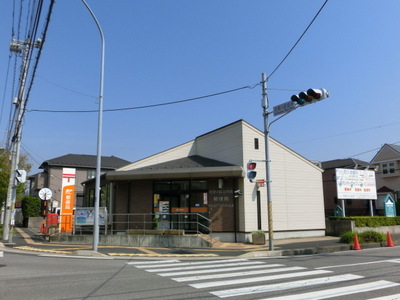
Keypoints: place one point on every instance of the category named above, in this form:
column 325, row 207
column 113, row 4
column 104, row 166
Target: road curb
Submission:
column 262, row 254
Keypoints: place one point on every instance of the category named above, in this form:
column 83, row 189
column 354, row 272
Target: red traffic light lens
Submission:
column 251, row 166
column 313, row 94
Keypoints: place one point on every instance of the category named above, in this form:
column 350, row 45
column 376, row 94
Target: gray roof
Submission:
column 194, row 161
column 186, row 167
column 394, row 147
column 85, row 161
column 344, row 163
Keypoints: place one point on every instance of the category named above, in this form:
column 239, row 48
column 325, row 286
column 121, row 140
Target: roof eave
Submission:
column 207, row 172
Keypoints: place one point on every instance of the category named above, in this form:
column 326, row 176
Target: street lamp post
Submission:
column 96, row 229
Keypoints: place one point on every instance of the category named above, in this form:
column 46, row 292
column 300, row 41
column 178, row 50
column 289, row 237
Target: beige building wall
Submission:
column 177, row 152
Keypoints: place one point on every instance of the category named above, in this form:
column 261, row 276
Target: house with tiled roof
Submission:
column 387, row 162
column 84, row 167
column 352, row 207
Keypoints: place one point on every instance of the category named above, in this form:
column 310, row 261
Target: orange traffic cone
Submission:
column 356, row 245
column 389, row 242
column 42, row 228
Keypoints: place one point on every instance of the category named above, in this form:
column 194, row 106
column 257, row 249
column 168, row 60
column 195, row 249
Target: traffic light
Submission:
column 20, row 176
column 311, row 96
column 43, row 208
column 251, row 170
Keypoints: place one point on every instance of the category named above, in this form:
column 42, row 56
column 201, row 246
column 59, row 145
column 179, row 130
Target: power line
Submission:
column 190, row 99
column 365, row 152
column 345, row 133
column 294, row 46
column 148, row 106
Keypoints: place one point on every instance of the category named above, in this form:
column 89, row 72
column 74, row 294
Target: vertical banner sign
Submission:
column 67, row 200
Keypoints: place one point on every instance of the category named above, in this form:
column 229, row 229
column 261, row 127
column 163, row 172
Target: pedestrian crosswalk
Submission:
column 256, row 278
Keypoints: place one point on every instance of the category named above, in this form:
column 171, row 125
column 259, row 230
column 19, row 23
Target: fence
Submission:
column 151, row 223
column 191, row 223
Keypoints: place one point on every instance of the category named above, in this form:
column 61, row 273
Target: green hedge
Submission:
column 368, row 236
column 371, row 221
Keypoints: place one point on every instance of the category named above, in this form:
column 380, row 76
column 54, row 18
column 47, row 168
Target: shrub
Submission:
column 258, row 232
column 347, row 237
column 371, row 236
column 368, row 236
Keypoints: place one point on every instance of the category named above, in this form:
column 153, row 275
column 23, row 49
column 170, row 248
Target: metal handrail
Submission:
column 146, row 222
column 151, row 223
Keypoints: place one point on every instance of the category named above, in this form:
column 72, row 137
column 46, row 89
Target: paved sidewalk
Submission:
column 28, row 240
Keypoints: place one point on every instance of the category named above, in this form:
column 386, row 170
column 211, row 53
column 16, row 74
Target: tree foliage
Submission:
column 5, row 166
column 31, row 206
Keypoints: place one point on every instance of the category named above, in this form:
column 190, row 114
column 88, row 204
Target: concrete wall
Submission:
column 135, row 240
column 35, row 222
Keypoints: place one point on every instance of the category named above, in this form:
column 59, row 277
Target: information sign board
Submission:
column 356, row 184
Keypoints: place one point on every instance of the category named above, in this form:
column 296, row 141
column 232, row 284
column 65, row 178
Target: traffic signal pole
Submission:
column 265, row 105
column 302, row 99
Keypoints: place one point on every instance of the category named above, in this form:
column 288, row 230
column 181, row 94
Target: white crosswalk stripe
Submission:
column 341, row 291
column 207, row 275
column 221, row 270
column 236, row 274
column 284, row 285
column 257, row 279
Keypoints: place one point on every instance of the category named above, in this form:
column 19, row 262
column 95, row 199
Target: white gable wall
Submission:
column 224, row 144
column 297, row 191
column 249, row 203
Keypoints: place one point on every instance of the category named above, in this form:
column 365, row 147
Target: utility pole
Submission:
column 265, row 105
column 9, row 219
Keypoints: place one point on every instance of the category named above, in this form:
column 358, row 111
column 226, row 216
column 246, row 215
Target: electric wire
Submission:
column 147, row 106
column 372, row 150
column 190, row 99
column 299, row 39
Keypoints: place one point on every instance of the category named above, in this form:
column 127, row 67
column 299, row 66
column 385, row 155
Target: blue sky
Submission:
column 160, row 51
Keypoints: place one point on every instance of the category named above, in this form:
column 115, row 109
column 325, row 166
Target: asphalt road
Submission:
column 365, row 274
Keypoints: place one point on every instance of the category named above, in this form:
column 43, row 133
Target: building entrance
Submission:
column 179, row 206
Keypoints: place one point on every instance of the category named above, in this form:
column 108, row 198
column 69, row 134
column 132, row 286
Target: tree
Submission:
column 5, row 165
column 30, row 207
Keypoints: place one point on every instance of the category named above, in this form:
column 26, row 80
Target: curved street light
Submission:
column 99, row 137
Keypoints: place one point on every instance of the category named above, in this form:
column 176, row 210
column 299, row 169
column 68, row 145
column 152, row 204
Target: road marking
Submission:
column 257, row 279
column 28, row 248
column 390, row 297
column 179, row 264
column 152, row 262
column 202, row 266
column 284, row 285
column 341, row 291
column 26, row 236
column 236, row 274
column 360, row 264
column 219, row 270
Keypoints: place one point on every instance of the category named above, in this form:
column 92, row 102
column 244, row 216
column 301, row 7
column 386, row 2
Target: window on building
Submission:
column 91, row 174
column 388, row 168
column 256, row 144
